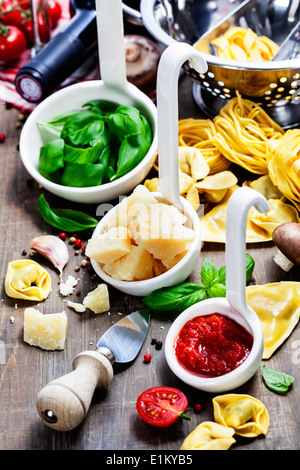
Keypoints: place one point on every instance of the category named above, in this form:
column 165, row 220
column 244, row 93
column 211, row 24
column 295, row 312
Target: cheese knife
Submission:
column 63, row 403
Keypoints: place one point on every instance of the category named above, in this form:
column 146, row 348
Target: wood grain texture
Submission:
column 112, row 422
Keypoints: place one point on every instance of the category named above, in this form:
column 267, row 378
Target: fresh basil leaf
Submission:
column 103, row 107
column 217, row 290
column 126, row 121
column 176, row 298
column 51, row 156
column 147, row 130
column 132, row 151
column 86, row 155
column 82, row 175
column 79, row 130
column 48, row 132
column 209, row 274
column 222, row 275
column 68, row 220
column 277, row 381
column 60, row 120
column 250, row 263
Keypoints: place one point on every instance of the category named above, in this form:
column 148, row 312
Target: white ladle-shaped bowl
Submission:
column 233, row 306
column 167, row 106
column 113, row 87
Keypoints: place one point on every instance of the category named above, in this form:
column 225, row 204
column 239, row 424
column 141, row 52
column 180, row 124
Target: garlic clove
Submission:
column 52, row 248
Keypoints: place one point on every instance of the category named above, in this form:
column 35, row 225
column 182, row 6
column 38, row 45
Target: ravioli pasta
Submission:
column 278, row 307
column 209, row 436
column 245, row 414
column 240, row 43
column 26, row 279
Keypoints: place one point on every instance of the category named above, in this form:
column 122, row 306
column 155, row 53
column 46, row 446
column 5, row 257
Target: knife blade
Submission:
column 63, row 403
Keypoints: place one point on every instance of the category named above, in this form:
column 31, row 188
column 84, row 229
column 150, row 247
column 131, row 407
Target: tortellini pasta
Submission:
column 259, row 226
column 278, row 307
column 245, row 414
column 209, row 436
column 198, row 133
column 195, row 178
column 214, row 187
column 26, row 279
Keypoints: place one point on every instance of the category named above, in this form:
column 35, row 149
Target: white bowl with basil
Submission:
column 90, row 143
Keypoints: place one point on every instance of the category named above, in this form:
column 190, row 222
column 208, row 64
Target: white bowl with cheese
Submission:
column 187, row 259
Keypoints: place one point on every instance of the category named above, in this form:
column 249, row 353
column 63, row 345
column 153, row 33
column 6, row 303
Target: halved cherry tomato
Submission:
column 12, row 43
column 162, row 406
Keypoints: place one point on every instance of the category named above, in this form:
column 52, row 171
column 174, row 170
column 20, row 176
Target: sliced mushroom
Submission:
column 287, row 239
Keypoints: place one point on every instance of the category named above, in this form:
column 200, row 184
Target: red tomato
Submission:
column 27, row 29
column 24, row 4
column 12, row 17
column 43, row 28
column 12, row 43
column 161, row 406
column 54, row 10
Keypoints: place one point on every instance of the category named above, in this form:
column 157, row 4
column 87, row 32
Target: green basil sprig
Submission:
column 184, row 295
column 68, row 220
column 278, row 382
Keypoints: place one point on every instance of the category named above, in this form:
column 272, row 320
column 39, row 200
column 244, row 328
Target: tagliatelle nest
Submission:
column 240, row 43
column 284, row 165
column 243, row 132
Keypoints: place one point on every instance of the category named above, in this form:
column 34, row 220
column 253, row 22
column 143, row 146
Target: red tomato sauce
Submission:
column 212, row 345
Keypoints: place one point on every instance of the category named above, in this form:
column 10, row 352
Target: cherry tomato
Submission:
column 43, row 28
column 161, row 406
column 13, row 17
column 27, row 29
column 24, row 4
column 12, row 43
column 54, row 10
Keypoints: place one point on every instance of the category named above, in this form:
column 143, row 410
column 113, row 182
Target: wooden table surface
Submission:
column 112, row 422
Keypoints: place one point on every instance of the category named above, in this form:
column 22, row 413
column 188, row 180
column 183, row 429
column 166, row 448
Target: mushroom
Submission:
column 142, row 57
column 287, row 239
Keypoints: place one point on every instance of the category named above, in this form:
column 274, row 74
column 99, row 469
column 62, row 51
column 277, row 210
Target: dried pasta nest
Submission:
column 244, row 130
column 283, row 158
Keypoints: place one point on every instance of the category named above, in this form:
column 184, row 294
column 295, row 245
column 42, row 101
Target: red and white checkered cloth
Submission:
column 8, row 71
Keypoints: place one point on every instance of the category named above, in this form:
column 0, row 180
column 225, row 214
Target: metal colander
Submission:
column 275, row 84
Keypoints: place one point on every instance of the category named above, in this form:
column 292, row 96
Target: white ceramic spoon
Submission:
column 112, row 87
column 167, row 115
column 233, row 306
column 167, row 121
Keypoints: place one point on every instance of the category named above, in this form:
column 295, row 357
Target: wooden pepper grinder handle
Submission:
column 63, row 403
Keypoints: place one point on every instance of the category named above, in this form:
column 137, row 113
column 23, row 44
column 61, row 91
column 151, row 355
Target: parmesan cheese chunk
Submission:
column 136, row 266
column 98, row 299
column 159, row 229
column 126, row 209
column 47, row 331
column 77, row 306
column 66, row 288
column 109, row 246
